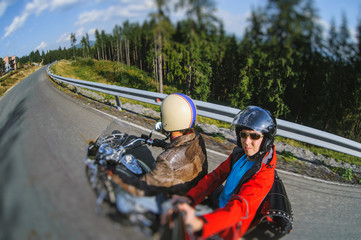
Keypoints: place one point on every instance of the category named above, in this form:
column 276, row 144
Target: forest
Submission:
column 285, row 61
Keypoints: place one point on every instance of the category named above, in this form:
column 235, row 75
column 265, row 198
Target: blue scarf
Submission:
column 238, row 170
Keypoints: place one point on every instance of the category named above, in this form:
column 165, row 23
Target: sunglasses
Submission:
column 253, row 136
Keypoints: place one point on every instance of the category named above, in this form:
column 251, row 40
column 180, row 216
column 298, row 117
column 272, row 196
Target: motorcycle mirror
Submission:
column 158, row 127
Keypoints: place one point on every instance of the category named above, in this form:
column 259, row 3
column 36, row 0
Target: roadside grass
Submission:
column 105, row 72
column 122, row 75
column 346, row 173
column 64, row 69
column 10, row 79
column 288, row 157
column 322, row 151
column 109, row 73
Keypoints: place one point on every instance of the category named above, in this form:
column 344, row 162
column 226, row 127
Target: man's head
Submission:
column 255, row 129
column 178, row 112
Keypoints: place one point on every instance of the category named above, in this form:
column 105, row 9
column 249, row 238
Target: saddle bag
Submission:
column 274, row 217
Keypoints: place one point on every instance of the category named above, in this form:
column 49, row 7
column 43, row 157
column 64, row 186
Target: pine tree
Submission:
column 73, row 42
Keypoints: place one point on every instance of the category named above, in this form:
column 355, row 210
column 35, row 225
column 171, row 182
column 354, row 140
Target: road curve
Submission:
column 45, row 195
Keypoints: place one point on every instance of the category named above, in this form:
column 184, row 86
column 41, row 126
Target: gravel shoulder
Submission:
column 302, row 161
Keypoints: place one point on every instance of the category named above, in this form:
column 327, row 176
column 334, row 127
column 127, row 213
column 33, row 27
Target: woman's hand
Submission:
column 177, row 199
column 167, row 216
column 190, row 218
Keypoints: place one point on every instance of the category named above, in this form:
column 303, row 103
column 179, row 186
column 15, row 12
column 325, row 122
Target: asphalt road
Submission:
column 45, row 194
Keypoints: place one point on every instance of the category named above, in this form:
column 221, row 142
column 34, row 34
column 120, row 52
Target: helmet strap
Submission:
column 255, row 156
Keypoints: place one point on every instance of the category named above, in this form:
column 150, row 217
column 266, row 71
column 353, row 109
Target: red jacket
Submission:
column 233, row 220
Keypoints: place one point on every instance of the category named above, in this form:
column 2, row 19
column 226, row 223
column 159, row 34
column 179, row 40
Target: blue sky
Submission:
column 28, row 25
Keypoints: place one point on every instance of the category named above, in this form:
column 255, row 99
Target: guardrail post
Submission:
column 118, row 103
column 75, row 89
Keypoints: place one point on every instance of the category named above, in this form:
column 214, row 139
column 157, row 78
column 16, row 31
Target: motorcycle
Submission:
column 113, row 151
column 118, row 151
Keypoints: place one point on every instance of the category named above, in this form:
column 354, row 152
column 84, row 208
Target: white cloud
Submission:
column 34, row 7
column 88, row 17
column 4, row 4
column 3, row 7
column 144, row 5
column 324, row 24
column 126, row 10
column 37, row 6
column 327, row 26
column 41, row 46
column 17, row 23
column 233, row 23
column 80, row 32
column 91, row 31
column 62, row 4
column 63, row 38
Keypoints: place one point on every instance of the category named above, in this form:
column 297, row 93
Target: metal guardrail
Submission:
column 223, row 113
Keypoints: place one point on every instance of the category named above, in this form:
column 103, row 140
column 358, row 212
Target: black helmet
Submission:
column 257, row 119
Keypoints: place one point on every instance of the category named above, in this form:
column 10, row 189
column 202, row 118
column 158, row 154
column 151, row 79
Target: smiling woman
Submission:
column 249, row 176
column 251, row 141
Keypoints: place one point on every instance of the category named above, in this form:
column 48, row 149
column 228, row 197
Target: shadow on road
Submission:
column 9, row 133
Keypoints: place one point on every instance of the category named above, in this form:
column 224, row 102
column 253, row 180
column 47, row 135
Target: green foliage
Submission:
column 288, row 156
column 2, row 66
column 84, row 62
column 322, row 151
column 345, row 173
column 283, row 62
column 176, row 63
column 211, row 121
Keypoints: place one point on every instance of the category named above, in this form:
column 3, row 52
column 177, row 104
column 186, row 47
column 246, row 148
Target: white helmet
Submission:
column 178, row 112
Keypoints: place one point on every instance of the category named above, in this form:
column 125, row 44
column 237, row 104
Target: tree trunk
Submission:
column 101, row 50
column 160, row 72
column 155, row 72
column 140, row 60
column 127, row 52
column 189, row 80
column 111, row 51
column 118, row 49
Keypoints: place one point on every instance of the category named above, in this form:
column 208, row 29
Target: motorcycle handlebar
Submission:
column 154, row 142
column 159, row 143
column 146, row 137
